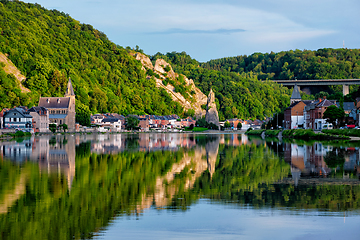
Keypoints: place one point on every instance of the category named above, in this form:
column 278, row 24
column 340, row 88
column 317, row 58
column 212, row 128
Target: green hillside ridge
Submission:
column 48, row 47
column 326, row 63
column 238, row 95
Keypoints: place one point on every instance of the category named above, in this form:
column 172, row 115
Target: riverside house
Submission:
column 18, row 118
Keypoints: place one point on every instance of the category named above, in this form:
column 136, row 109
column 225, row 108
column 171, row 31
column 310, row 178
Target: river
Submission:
column 177, row 186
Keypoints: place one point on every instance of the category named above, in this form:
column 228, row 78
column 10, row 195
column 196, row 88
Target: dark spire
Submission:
column 296, row 93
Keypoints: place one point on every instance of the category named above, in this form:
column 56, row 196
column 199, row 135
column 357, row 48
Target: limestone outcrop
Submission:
column 10, row 68
column 197, row 98
column 212, row 115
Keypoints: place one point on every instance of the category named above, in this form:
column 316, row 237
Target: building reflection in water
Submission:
column 53, row 154
column 309, row 161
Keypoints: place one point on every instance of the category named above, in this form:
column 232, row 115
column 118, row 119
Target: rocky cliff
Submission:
column 10, row 68
column 197, row 98
column 212, row 115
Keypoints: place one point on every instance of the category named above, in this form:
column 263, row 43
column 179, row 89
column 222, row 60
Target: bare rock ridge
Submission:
column 197, row 98
column 212, row 115
column 11, row 69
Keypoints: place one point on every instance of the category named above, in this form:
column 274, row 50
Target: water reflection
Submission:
column 53, row 154
column 72, row 186
column 321, row 160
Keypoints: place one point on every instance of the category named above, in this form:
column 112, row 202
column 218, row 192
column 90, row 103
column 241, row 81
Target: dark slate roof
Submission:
column 325, row 103
column 296, row 93
column 110, row 120
column 39, row 110
column 347, row 105
column 21, row 111
column 54, row 102
column 293, row 104
column 308, row 102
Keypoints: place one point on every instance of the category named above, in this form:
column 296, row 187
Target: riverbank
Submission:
column 304, row 134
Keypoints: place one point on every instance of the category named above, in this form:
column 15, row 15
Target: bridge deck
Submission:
column 316, row 82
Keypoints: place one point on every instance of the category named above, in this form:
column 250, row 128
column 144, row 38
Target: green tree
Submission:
column 52, row 127
column 132, row 122
column 82, row 114
column 333, row 115
column 63, row 126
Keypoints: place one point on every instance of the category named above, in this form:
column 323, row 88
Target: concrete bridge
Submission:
column 324, row 82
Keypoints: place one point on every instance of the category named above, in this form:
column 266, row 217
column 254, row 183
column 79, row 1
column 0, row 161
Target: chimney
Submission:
column 324, row 97
column 319, row 100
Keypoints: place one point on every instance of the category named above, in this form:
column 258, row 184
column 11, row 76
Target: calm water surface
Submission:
column 178, row 186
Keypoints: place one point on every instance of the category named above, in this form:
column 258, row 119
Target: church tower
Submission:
column 69, row 90
column 295, row 96
column 71, row 108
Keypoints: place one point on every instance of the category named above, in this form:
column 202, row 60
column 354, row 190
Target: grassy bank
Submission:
column 254, row 132
column 308, row 134
column 16, row 134
column 305, row 134
column 196, row 129
column 343, row 132
column 268, row 133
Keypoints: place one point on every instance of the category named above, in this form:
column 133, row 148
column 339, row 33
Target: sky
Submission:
column 212, row 29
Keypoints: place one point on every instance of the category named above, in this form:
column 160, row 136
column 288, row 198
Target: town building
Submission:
column 2, row 117
column 294, row 115
column 61, row 109
column 144, row 123
column 315, row 112
column 113, row 124
column 40, row 119
column 18, row 118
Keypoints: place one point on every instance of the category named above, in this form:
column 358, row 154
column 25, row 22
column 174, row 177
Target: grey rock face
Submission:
column 212, row 115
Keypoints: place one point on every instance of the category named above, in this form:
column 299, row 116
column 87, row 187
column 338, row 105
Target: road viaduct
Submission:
column 324, row 82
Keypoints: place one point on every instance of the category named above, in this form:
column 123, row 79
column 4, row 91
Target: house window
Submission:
column 60, row 121
column 14, row 119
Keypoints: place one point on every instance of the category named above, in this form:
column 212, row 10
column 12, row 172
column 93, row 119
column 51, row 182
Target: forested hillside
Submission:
column 49, row 46
column 239, row 95
column 324, row 63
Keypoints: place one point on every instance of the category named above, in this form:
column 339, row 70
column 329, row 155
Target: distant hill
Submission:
column 239, row 95
column 324, row 63
column 49, row 46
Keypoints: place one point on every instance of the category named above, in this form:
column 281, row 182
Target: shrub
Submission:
column 19, row 134
column 255, row 132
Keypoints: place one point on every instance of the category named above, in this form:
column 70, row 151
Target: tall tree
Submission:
column 333, row 115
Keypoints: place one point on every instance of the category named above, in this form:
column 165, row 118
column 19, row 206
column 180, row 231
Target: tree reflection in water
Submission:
column 130, row 177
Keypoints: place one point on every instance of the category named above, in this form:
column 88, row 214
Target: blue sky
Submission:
column 214, row 29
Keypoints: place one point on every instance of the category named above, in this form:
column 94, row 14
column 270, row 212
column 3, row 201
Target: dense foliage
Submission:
column 10, row 92
column 324, row 63
column 49, row 46
column 238, row 95
column 334, row 115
